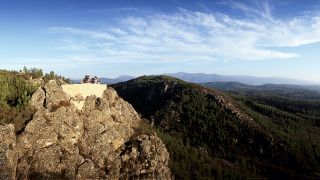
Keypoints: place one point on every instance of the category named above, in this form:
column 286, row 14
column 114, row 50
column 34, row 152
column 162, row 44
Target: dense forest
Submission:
column 280, row 90
column 16, row 90
column 289, row 112
column 207, row 139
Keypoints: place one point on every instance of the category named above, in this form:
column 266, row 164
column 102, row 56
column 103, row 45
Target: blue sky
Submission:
column 274, row 38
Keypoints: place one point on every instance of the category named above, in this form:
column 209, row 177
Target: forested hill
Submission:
column 284, row 90
column 211, row 134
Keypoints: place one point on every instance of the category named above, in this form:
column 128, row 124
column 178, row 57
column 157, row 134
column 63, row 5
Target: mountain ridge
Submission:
column 251, row 80
column 213, row 121
column 105, row 80
column 204, row 78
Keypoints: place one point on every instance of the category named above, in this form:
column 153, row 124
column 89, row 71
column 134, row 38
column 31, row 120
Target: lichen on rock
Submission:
column 145, row 157
column 96, row 142
column 8, row 155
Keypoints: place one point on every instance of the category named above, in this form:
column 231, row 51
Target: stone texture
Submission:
column 55, row 96
column 8, row 155
column 144, row 157
column 97, row 142
column 38, row 97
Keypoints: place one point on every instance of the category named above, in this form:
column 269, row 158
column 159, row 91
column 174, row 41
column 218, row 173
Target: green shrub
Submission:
column 15, row 93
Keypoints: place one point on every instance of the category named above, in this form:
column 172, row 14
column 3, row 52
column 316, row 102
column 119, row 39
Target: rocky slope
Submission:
column 97, row 142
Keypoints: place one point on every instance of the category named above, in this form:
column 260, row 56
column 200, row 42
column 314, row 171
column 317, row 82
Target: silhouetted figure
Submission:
column 88, row 79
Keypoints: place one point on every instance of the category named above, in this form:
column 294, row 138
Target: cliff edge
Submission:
column 97, row 142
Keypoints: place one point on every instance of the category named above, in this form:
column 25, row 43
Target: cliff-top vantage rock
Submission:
column 97, row 142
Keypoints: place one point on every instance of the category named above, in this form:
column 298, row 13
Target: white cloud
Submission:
column 194, row 36
column 263, row 10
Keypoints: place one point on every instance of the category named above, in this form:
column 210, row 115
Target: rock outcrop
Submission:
column 97, row 142
column 8, row 154
column 144, row 157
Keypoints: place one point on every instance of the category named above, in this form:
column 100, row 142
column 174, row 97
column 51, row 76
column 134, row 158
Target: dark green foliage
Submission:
column 280, row 90
column 293, row 106
column 189, row 162
column 295, row 125
column 192, row 118
column 33, row 73
column 52, row 75
column 15, row 92
column 289, row 112
column 178, row 107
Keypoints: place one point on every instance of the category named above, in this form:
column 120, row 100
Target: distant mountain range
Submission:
column 110, row 80
column 204, row 78
column 116, row 80
column 250, row 80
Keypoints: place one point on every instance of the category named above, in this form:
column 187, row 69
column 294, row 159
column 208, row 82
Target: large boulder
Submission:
column 48, row 146
column 50, row 96
column 38, row 98
column 144, row 157
column 97, row 142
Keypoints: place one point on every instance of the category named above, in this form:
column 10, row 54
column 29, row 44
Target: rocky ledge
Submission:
column 97, row 142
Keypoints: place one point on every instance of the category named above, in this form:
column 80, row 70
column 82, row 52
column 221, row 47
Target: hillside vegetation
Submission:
column 282, row 90
column 289, row 112
column 209, row 134
column 15, row 92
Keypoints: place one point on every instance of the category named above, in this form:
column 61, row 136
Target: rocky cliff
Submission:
column 97, row 142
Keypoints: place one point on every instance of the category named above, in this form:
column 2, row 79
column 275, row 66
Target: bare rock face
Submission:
column 8, row 155
column 99, row 142
column 145, row 157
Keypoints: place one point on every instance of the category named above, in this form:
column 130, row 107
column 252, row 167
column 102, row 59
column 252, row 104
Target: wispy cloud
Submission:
column 108, row 10
column 194, row 36
column 262, row 9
